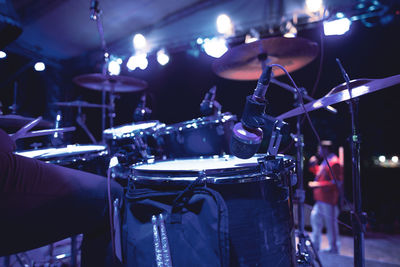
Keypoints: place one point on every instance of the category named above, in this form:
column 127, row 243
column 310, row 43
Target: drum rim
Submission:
column 235, row 174
column 149, row 130
column 102, row 150
column 207, row 120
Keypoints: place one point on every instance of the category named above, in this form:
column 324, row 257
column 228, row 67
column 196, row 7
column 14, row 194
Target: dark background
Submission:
column 176, row 90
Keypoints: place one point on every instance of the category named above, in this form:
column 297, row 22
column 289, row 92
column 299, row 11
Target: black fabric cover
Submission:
column 197, row 227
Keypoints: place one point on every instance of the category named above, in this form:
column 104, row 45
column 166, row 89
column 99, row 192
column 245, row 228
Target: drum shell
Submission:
column 200, row 137
column 132, row 140
column 260, row 225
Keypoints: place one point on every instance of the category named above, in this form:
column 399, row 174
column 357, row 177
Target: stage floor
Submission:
column 381, row 250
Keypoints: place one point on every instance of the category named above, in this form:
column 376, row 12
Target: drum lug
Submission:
column 270, row 165
column 220, row 130
column 180, row 138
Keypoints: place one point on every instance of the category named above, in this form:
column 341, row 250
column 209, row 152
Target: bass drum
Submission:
column 89, row 158
column 255, row 191
column 205, row 136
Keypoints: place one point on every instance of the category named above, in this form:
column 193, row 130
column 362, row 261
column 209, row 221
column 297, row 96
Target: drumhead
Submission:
column 217, row 169
column 132, row 129
column 199, row 122
column 60, row 152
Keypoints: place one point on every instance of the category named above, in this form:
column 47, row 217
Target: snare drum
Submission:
column 255, row 191
column 134, row 140
column 204, row 136
column 90, row 158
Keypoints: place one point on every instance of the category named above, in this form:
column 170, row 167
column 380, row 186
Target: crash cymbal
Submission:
column 243, row 62
column 110, row 83
column 340, row 93
column 17, row 121
column 79, row 104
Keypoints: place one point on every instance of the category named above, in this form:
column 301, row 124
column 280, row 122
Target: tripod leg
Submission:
column 314, row 252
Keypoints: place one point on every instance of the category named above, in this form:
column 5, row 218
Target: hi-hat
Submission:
column 340, row 93
column 110, row 83
column 79, row 104
column 244, row 62
column 17, row 121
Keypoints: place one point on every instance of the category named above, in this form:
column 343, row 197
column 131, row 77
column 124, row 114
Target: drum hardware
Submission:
column 245, row 62
column 142, row 113
column 210, row 106
column 14, row 106
column 358, row 217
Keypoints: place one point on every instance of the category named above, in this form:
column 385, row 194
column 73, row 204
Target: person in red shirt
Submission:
column 326, row 191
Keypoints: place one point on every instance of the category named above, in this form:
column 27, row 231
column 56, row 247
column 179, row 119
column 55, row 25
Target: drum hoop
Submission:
column 138, row 132
column 231, row 175
column 198, row 122
column 73, row 155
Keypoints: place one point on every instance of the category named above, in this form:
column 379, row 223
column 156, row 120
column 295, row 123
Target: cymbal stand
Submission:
column 112, row 97
column 14, row 106
column 358, row 217
column 95, row 14
column 303, row 255
column 80, row 119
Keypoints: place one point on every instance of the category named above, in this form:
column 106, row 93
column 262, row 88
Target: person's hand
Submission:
column 313, row 184
column 313, row 160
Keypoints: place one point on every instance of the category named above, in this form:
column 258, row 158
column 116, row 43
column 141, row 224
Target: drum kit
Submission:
column 150, row 152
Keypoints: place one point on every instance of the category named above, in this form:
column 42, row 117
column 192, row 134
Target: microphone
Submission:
column 247, row 134
column 141, row 113
column 207, row 105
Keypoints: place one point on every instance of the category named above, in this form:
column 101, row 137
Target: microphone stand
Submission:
column 358, row 217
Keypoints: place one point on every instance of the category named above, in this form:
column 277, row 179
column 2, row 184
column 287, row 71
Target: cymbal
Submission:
column 110, row 83
column 17, row 121
column 79, row 104
column 243, row 62
column 340, row 93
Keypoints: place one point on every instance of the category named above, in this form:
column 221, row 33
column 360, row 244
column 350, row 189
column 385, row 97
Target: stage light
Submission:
column 114, row 67
column 137, row 61
column 382, row 158
column 199, row 41
column 314, row 5
column 224, row 25
column 291, row 30
column 395, row 159
column 139, row 41
column 337, row 27
column 162, row 57
column 3, row 54
column 252, row 36
column 40, row 66
column 215, row 47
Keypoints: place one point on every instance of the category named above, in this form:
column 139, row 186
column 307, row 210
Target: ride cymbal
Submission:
column 244, row 62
